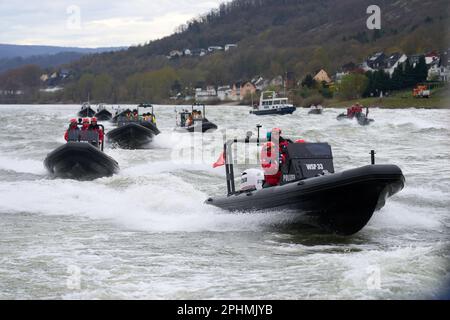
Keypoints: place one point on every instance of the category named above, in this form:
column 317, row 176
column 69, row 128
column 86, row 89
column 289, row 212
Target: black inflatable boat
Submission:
column 315, row 111
column 194, row 121
column 86, row 111
column 103, row 115
column 200, row 125
column 133, row 135
column 361, row 118
column 81, row 160
column 119, row 115
column 340, row 203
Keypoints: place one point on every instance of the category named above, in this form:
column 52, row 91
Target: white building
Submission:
column 215, row 48
column 228, row 47
column 224, row 93
column 394, row 61
column 205, row 95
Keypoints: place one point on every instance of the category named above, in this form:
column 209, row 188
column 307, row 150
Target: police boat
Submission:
column 194, row 120
column 270, row 104
column 81, row 158
column 310, row 189
column 134, row 131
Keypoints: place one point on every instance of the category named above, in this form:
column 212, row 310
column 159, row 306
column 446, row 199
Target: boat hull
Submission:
column 282, row 111
column 80, row 161
column 316, row 112
column 103, row 115
column 362, row 120
column 341, row 203
column 133, row 135
column 86, row 113
column 204, row 127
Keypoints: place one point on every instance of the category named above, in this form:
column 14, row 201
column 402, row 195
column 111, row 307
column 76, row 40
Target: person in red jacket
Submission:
column 273, row 156
column 95, row 127
column 73, row 129
column 86, row 124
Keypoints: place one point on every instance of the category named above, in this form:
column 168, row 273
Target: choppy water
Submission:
column 145, row 233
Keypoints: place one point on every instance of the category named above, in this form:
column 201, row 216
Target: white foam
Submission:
column 147, row 206
column 21, row 165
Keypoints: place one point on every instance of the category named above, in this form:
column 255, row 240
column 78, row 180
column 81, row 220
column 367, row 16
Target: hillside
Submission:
column 44, row 61
column 273, row 37
column 25, row 51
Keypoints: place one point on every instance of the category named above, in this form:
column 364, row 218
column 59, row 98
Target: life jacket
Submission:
column 272, row 160
column 72, row 134
column 98, row 130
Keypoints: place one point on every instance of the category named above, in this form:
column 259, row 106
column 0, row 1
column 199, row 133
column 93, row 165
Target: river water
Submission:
column 145, row 233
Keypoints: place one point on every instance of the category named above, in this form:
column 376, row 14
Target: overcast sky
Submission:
column 95, row 23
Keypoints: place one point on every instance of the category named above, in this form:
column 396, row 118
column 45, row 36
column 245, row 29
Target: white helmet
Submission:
column 252, row 179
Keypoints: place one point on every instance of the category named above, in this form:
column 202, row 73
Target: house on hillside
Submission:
column 215, row 48
column 260, row 83
column 235, row 94
column 322, row 76
column 174, row 54
column 414, row 59
column 393, row 61
column 199, row 52
column 247, row 89
column 441, row 71
column 209, row 94
column 347, row 69
column 229, row 47
column 44, row 77
column 432, row 58
column 376, row 61
column 277, row 81
column 224, row 93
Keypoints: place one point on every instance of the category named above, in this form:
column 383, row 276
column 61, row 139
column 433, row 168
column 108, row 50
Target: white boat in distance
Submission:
column 271, row 104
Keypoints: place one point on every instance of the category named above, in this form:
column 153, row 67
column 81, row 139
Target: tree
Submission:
column 421, row 70
column 353, row 86
column 102, row 89
column 308, row 81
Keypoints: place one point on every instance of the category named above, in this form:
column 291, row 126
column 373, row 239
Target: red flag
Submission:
column 221, row 161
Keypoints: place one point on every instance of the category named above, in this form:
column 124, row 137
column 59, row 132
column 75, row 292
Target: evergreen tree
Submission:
column 421, row 71
column 309, row 81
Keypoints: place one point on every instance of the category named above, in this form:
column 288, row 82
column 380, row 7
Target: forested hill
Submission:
column 297, row 35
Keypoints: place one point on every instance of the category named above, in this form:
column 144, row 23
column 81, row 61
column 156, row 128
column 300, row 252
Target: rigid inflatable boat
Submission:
column 194, row 121
column 361, row 118
column 340, row 203
column 103, row 114
column 81, row 160
column 133, row 135
column 316, row 110
column 86, row 111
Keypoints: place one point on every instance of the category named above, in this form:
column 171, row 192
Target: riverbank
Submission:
column 440, row 99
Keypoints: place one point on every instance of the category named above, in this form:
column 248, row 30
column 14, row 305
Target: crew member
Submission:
column 84, row 129
column 95, row 127
column 273, row 156
column 73, row 131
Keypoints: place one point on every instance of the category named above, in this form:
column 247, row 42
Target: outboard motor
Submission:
column 252, row 179
column 307, row 160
